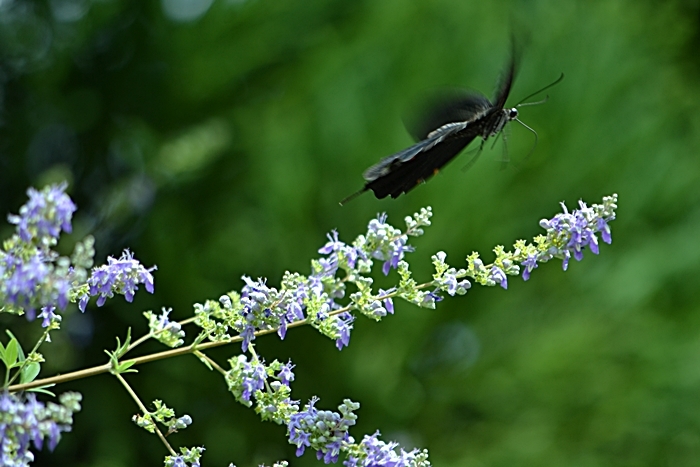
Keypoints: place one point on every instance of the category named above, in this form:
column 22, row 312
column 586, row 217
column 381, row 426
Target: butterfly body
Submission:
column 403, row 171
column 446, row 130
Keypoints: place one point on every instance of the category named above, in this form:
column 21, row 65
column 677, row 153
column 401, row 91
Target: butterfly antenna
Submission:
column 537, row 92
column 534, row 133
column 352, row 196
column 534, row 103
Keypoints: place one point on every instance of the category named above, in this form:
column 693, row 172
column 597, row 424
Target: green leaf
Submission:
column 42, row 390
column 29, row 372
column 124, row 367
column 11, row 353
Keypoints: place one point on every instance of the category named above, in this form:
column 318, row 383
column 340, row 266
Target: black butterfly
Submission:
column 448, row 128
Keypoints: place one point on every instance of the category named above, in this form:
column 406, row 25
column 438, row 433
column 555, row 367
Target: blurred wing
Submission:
column 506, row 81
column 402, row 171
column 457, row 106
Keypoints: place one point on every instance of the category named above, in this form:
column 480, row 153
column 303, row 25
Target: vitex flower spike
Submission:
column 449, row 127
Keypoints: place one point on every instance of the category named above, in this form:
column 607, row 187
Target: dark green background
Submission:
column 220, row 146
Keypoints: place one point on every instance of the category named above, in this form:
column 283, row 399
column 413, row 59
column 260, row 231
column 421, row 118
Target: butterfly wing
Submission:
column 453, row 106
column 506, row 81
column 404, row 170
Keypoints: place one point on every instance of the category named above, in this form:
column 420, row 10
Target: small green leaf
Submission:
column 11, row 353
column 124, row 367
column 42, row 390
column 29, row 372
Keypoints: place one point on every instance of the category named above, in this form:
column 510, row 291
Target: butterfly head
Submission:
column 512, row 113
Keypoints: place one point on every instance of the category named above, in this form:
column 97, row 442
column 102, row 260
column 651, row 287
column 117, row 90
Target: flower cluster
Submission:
column 32, row 276
column 120, row 276
column 569, row 233
column 43, row 217
column 371, row 452
column 187, row 458
column 163, row 415
column 322, row 430
column 163, row 330
column 268, row 385
column 313, row 298
column 25, row 421
column 36, row 280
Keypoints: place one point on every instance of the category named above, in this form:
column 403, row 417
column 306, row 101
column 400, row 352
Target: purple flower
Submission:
column 529, row 264
column 344, row 326
column 25, row 279
column 388, row 302
column 398, row 248
column 336, row 250
column 248, row 336
column 25, row 421
column 578, row 230
column 333, row 245
column 430, row 299
column 322, row 430
column 245, row 378
column 604, row 229
column 45, row 214
column 48, row 315
column 378, row 453
column 286, row 375
column 499, row 277
column 120, row 276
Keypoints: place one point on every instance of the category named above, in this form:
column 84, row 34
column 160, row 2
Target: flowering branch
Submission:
column 36, row 278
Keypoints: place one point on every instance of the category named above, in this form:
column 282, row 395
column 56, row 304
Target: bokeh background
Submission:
column 215, row 138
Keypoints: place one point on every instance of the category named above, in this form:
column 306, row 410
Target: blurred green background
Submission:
column 216, row 137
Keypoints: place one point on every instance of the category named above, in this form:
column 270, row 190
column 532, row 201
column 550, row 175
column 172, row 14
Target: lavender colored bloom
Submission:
column 376, row 453
column 529, row 264
column 48, row 315
column 322, row 430
column 329, row 265
column 499, row 277
column 25, row 421
column 344, row 326
column 45, row 214
column 286, row 375
column 386, row 243
column 333, row 245
column 120, row 276
column 187, row 458
column 245, row 378
column 388, row 302
column 24, row 281
column 256, row 291
column 565, row 261
column 604, row 229
column 336, row 249
column 430, row 299
column 570, row 233
column 398, row 248
column 248, row 335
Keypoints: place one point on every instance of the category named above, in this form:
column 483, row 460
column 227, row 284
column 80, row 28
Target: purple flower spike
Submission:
column 45, row 214
column 119, row 276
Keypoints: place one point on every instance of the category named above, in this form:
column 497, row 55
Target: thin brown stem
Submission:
column 96, row 370
column 144, row 410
